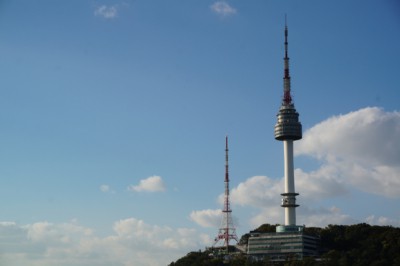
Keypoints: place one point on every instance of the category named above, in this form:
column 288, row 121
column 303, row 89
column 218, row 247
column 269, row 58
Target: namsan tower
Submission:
column 227, row 231
column 288, row 129
column 289, row 240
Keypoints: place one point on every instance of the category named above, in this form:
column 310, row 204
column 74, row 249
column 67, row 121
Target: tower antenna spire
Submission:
column 227, row 231
column 286, row 37
column 287, row 98
column 226, row 161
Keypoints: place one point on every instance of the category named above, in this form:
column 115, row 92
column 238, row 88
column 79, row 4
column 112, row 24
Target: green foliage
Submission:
column 341, row 245
column 266, row 228
column 204, row 259
column 244, row 239
column 360, row 244
column 198, row 259
column 314, row 231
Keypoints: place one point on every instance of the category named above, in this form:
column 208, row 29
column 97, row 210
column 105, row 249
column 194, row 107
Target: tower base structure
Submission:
column 288, row 242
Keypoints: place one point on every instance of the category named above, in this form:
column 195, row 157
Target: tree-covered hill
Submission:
column 358, row 245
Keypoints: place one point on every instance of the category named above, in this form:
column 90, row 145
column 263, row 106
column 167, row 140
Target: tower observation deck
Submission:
column 288, row 129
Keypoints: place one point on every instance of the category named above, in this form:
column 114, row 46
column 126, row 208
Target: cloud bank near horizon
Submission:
column 132, row 243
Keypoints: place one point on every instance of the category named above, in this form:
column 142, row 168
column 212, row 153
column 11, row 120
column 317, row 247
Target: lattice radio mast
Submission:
column 227, row 231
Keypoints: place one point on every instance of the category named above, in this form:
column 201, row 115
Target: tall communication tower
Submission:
column 227, row 231
column 290, row 241
column 288, row 129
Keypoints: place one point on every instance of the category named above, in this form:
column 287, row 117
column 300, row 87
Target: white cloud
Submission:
column 223, row 8
column 321, row 217
column 4, row 224
column 48, row 232
column 207, row 218
column 107, row 12
column 104, row 188
column 263, row 193
column 381, row 220
column 272, row 214
column 133, row 242
column 150, row 184
column 360, row 149
column 321, row 184
column 256, row 191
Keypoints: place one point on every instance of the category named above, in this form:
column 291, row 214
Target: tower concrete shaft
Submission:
column 227, row 231
column 288, row 129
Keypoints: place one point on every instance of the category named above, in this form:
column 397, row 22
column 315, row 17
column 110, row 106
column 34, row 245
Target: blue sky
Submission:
column 114, row 115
